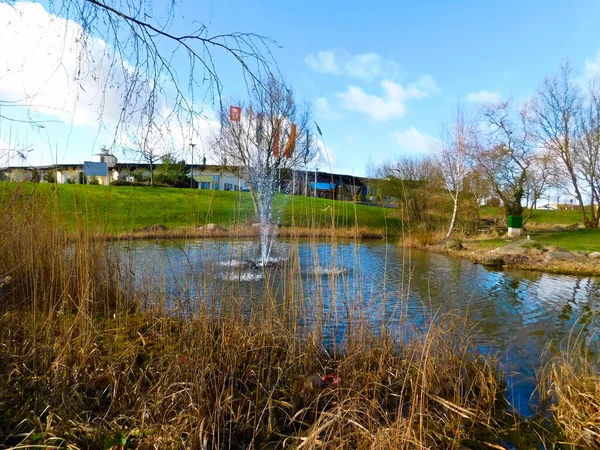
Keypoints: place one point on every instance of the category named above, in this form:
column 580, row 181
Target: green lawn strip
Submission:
column 555, row 217
column 585, row 240
column 573, row 240
column 119, row 209
column 490, row 244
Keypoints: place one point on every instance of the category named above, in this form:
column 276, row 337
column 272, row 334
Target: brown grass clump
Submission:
column 83, row 365
column 156, row 382
column 239, row 231
column 421, row 238
column 570, row 385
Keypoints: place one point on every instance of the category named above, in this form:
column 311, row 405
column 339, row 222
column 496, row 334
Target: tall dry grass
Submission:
column 569, row 385
column 87, row 362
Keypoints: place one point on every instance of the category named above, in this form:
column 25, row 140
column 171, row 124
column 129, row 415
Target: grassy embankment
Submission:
column 572, row 240
column 541, row 227
column 539, row 217
column 87, row 364
column 122, row 209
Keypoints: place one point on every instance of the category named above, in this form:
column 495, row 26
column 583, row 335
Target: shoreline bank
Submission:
column 533, row 260
column 217, row 231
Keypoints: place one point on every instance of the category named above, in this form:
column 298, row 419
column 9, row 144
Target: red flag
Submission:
column 235, row 112
column 289, row 147
column 276, row 139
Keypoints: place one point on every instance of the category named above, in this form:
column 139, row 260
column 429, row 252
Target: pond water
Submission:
column 516, row 313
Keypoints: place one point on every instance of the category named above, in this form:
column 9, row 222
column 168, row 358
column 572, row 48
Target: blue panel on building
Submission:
column 95, row 169
column 323, row 186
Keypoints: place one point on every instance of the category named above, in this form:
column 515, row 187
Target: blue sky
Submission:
column 382, row 77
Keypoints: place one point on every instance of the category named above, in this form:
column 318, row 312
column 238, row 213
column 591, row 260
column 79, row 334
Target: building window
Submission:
column 228, row 186
column 216, row 186
column 236, row 188
column 205, row 185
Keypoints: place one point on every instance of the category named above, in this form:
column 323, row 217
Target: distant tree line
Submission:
column 509, row 152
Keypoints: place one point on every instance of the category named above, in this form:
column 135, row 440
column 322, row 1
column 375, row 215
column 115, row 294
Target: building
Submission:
column 96, row 172
column 17, row 173
column 217, row 178
column 67, row 173
column 105, row 168
column 336, row 186
column 105, row 157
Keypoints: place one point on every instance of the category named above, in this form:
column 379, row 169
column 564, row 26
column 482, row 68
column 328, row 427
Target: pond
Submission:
column 516, row 313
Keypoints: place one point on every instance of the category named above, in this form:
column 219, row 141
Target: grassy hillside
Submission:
column 122, row 208
column 541, row 216
column 585, row 240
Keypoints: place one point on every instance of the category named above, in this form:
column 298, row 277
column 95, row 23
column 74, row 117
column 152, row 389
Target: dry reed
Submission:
column 569, row 384
column 86, row 363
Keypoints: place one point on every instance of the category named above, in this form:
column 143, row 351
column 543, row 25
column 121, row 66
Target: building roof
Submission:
column 46, row 167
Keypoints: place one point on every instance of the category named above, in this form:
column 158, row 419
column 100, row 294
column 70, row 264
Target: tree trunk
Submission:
column 569, row 165
column 254, row 200
column 454, row 214
column 593, row 208
column 586, row 222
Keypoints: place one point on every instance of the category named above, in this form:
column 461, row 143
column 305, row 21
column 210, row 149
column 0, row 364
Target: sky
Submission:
column 382, row 78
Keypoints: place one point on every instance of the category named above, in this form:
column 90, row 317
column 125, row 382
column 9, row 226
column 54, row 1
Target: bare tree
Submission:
column 151, row 145
column 587, row 149
column 454, row 160
column 409, row 179
column 540, row 177
column 507, row 153
column 478, row 187
column 263, row 135
column 161, row 75
column 557, row 110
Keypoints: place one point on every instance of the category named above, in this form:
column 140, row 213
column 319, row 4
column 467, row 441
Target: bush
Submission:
column 494, row 202
column 36, row 177
column 50, row 176
column 94, row 181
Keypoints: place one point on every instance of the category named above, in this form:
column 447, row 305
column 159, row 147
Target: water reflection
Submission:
column 517, row 312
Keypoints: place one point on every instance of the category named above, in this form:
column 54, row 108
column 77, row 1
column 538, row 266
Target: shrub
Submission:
column 494, row 202
column 94, row 181
column 50, row 176
column 36, row 177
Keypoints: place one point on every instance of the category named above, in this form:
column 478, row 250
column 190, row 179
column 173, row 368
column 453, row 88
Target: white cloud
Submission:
column 592, row 66
column 323, row 62
column 54, row 67
column 392, row 104
column 414, row 142
column 484, row 97
column 365, row 66
column 324, row 111
column 325, row 157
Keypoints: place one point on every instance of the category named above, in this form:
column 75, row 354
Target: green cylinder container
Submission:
column 515, row 221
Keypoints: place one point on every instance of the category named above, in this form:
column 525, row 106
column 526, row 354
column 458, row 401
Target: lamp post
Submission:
column 315, row 189
column 192, row 166
column 305, row 181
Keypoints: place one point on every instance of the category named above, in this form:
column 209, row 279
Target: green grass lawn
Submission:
column 586, row 240
column 123, row 208
column 555, row 217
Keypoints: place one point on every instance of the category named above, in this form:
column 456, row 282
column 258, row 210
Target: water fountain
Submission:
column 265, row 188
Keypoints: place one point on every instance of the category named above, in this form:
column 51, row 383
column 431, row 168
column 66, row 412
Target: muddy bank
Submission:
column 250, row 230
column 523, row 254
